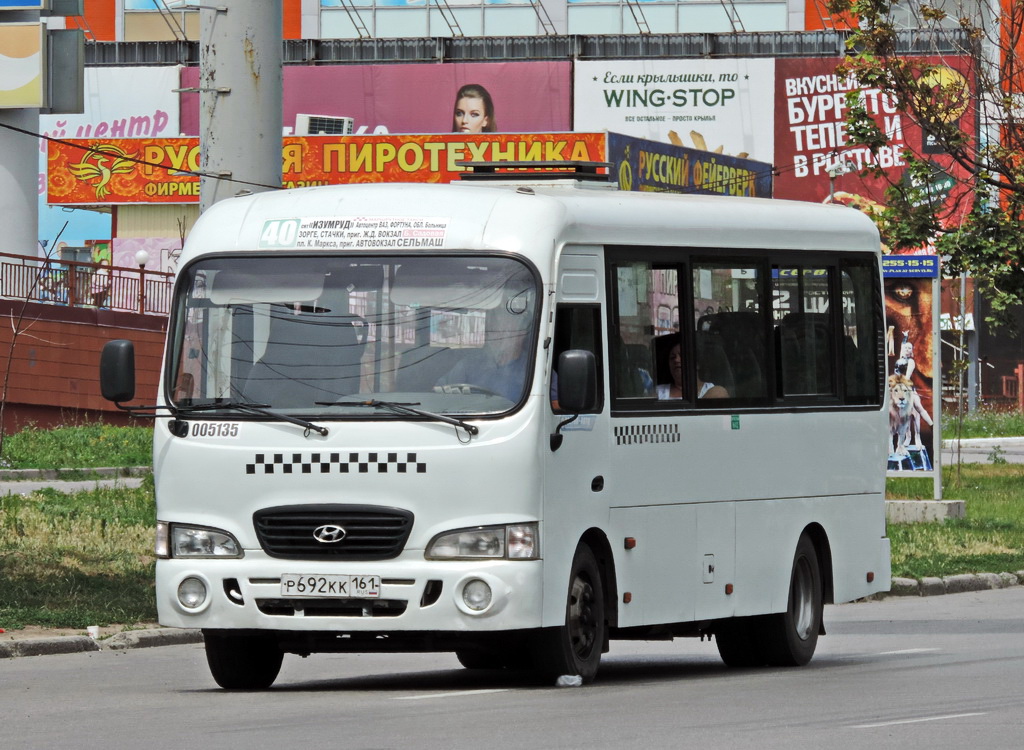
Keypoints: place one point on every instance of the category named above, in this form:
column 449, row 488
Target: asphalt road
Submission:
column 908, row 672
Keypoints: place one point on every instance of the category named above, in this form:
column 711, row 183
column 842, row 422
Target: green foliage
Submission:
column 79, row 446
column 989, row 245
column 73, row 560
column 989, row 540
column 988, row 242
column 988, row 423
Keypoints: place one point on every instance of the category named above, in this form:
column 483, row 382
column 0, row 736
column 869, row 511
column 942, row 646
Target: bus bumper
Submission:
column 413, row 597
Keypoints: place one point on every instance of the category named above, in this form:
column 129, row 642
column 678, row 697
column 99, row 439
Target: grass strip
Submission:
column 989, row 540
column 83, row 446
column 77, row 559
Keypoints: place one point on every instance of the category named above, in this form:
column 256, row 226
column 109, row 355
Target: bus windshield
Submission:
column 354, row 336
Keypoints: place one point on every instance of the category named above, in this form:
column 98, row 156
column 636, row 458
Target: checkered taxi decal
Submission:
column 336, row 463
column 640, row 434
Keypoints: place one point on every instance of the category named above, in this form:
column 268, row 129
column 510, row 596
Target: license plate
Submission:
column 330, row 586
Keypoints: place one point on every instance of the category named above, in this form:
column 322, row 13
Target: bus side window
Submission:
column 646, row 305
column 803, row 330
column 862, row 333
column 577, row 327
column 730, row 328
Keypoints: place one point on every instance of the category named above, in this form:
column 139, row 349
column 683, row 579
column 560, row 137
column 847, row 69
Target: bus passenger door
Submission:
column 575, row 471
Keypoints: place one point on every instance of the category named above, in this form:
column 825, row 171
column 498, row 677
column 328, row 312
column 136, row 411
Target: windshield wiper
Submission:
column 401, row 407
column 261, row 409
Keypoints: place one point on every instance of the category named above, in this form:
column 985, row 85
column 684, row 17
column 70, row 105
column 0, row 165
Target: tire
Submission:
column 575, row 648
column 791, row 637
column 242, row 662
column 477, row 659
column 739, row 643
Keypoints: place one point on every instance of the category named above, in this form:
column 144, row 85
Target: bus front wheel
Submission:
column 242, row 662
column 791, row 637
column 575, row 648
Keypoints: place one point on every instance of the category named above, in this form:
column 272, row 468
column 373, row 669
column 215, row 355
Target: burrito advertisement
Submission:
column 814, row 159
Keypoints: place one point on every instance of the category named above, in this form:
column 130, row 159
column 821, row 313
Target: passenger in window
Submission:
column 675, row 388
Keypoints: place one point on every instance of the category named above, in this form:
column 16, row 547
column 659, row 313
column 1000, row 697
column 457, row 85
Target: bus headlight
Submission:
column 509, row 542
column 178, row 540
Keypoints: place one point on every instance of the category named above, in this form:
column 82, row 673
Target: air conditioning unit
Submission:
column 322, row 125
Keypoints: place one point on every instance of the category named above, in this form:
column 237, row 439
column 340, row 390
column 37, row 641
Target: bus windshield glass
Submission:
column 354, row 336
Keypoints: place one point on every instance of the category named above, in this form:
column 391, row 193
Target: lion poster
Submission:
column 912, row 367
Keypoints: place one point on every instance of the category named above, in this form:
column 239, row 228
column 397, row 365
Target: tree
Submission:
column 972, row 109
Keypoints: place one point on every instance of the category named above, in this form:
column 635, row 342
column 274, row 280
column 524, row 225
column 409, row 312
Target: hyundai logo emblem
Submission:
column 329, row 533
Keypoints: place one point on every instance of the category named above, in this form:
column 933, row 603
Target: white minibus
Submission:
column 516, row 421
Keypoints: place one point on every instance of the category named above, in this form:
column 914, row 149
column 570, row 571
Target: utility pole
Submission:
column 240, row 86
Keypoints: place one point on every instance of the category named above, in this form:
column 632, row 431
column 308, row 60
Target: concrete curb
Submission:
column 150, row 638
column 71, row 644
column 954, row 584
column 75, row 644
column 57, row 475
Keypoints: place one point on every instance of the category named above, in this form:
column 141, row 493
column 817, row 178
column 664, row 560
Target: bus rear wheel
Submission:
column 242, row 662
column 791, row 637
column 575, row 648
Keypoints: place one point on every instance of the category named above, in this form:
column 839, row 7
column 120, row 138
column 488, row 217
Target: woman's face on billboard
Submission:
column 470, row 115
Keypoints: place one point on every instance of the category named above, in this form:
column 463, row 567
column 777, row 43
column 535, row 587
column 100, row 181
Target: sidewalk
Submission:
column 983, row 450
column 26, row 481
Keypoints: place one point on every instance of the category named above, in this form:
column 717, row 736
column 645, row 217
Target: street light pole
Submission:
column 839, row 168
column 142, row 258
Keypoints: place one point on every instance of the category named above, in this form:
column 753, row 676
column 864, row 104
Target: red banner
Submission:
column 162, row 170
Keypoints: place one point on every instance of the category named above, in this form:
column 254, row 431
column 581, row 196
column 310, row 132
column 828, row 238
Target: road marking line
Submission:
column 917, row 721
column 450, row 695
column 908, row 651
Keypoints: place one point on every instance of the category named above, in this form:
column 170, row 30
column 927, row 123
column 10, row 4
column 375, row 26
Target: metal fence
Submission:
column 826, row 43
column 77, row 284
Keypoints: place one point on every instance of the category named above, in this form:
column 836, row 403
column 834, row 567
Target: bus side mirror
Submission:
column 117, row 370
column 577, row 381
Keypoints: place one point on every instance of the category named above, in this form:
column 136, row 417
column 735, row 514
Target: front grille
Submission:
column 332, row 607
column 370, row 532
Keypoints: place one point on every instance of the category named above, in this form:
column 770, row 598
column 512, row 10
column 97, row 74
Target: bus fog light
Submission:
column 192, row 593
column 477, row 595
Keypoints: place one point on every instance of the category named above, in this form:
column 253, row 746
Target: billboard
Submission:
column 816, row 163
column 150, row 111
column 913, row 363
column 524, row 97
column 90, row 172
column 659, row 167
column 22, row 65
column 724, row 105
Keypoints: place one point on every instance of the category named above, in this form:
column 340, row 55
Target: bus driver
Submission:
column 501, row 364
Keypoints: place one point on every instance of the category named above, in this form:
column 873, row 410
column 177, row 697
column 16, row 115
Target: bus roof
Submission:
column 532, row 220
